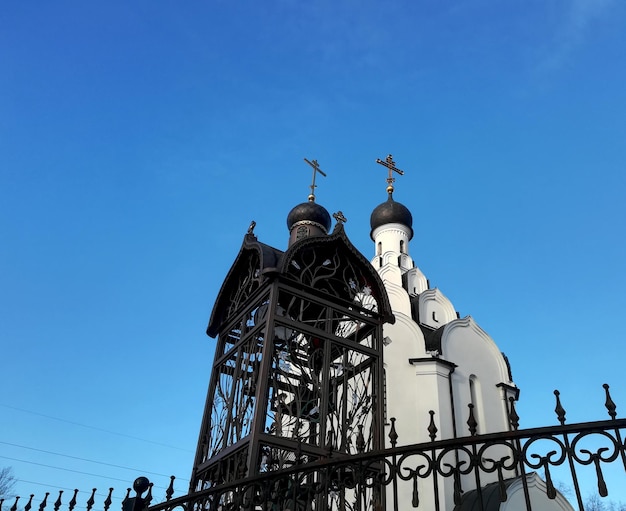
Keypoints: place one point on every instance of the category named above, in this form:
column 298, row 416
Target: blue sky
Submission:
column 138, row 140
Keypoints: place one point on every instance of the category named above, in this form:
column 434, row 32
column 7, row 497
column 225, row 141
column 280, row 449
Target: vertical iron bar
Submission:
column 393, row 439
column 612, row 409
column 432, row 433
column 325, row 389
column 262, row 392
column 473, row 428
column 514, row 423
column 560, row 412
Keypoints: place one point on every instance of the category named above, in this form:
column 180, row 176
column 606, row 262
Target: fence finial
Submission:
column 559, row 410
column 513, row 417
column 471, row 421
column 610, row 405
column 170, row 489
column 393, row 434
column 432, row 429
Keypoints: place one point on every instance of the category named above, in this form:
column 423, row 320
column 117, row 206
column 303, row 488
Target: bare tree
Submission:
column 7, row 481
column 595, row 503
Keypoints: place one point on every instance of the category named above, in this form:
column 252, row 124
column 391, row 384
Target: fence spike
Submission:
column 73, row 501
column 610, row 405
column 471, row 421
column 108, row 501
column 559, row 410
column 432, row 429
column 57, row 502
column 91, row 500
column 14, row 506
column 30, row 502
column 393, row 435
column 44, row 502
column 170, row 489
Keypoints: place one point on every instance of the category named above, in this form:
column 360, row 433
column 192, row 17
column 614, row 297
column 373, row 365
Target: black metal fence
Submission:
column 475, row 472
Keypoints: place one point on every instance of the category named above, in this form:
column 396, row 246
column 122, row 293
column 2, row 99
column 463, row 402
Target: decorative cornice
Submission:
column 309, row 222
column 397, row 228
column 451, row 365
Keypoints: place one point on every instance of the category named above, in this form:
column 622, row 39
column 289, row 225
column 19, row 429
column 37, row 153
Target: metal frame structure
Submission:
column 298, row 369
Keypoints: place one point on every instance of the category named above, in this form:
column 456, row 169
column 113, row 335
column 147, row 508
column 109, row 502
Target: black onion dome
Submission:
column 309, row 212
column 391, row 212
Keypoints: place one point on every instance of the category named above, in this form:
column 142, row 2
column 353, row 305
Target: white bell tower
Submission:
column 433, row 360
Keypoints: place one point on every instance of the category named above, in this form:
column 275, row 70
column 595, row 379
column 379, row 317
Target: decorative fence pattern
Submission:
column 397, row 478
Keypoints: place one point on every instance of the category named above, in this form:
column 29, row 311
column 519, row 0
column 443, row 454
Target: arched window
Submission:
column 379, row 250
column 402, row 246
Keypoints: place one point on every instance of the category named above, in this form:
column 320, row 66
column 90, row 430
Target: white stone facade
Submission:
column 435, row 360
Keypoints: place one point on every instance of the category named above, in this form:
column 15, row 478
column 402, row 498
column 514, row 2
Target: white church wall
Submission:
column 404, row 338
column 432, row 379
column 478, row 359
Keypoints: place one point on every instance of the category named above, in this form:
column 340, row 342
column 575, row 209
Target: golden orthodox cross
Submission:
column 391, row 166
column 316, row 169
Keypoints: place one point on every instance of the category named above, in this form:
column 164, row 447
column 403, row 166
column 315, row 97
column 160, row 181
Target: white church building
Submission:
column 436, row 361
column 325, row 356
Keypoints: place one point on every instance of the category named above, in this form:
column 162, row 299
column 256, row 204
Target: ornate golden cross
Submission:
column 391, row 166
column 316, row 169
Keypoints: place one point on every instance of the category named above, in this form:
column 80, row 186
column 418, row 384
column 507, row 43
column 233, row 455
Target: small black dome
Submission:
column 309, row 212
column 391, row 212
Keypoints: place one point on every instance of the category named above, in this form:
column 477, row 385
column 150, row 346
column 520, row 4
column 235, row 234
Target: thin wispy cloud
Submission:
column 579, row 20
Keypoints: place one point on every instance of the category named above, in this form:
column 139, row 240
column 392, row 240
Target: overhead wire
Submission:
column 95, row 428
column 90, row 461
column 72, row 470
column 85, row 459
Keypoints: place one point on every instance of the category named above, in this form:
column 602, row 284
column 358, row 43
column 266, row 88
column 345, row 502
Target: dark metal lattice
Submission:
column 298, row 365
